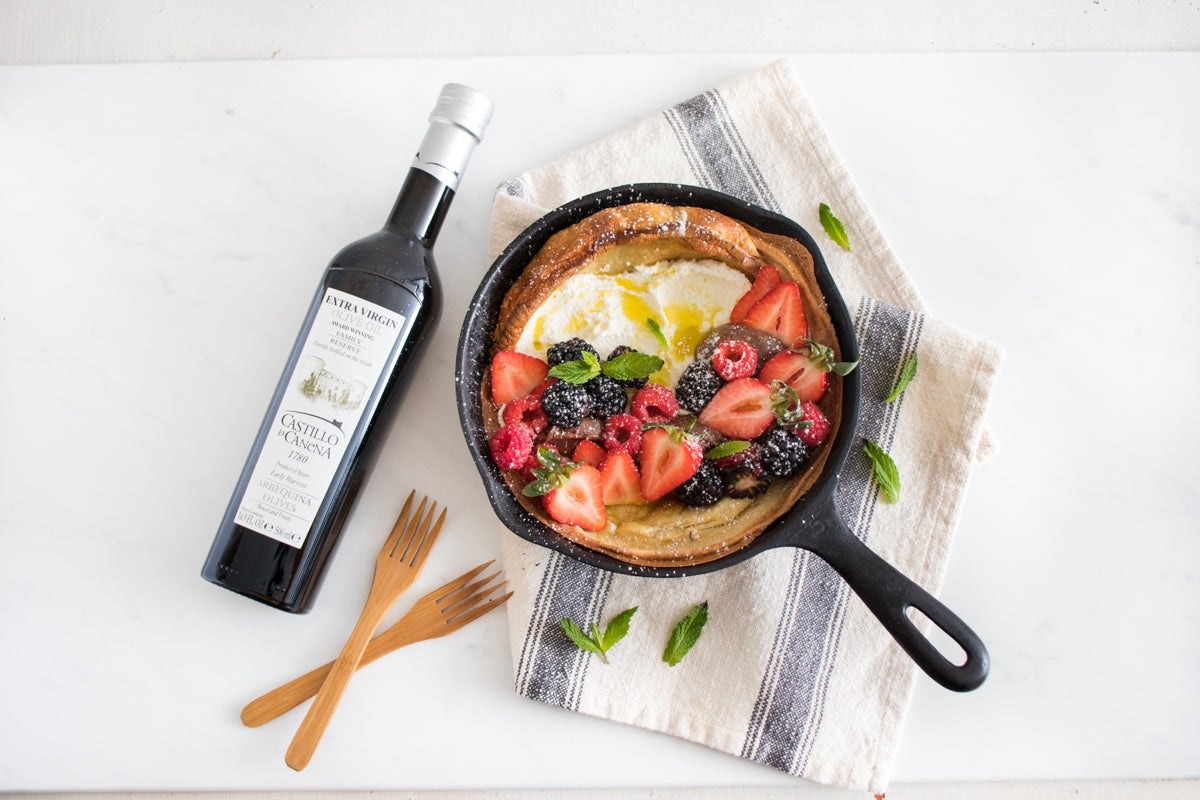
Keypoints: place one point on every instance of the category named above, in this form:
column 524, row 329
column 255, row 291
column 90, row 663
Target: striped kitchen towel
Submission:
column 792, row 670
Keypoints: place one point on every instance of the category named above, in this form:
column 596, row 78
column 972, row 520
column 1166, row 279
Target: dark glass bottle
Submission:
column 379, row 300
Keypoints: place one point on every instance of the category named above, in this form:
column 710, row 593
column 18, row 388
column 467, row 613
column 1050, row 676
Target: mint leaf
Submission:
column 630, row 366
column 729, row 448
column 885, row 471
column 686, row 633
column 599, row 642
column 581, row 639
column 906, row 375
column 833, row 227
column 580, row 371
column 618, row 626
column 658, row 333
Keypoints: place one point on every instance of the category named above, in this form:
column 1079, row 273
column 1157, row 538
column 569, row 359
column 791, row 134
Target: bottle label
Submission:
column 340, row 365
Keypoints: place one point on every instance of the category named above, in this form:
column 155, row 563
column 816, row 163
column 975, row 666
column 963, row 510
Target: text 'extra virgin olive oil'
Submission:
column 378, row 301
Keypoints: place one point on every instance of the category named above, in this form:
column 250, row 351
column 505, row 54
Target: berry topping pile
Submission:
column 744, row 413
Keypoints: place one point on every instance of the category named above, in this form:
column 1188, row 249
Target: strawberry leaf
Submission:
column 833, row 227
column 887, row 475
column 906, row 375
column 822, row 358
column 686, row 634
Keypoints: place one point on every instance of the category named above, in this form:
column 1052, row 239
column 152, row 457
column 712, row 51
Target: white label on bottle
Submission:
column 340, row 364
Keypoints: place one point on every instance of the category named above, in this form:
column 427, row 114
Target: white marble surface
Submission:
column 162, row 228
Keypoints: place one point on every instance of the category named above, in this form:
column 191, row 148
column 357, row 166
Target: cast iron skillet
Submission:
column 813, row 522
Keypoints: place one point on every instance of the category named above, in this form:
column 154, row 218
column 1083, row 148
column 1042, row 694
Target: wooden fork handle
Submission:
column 308, row 736
column 291, row 694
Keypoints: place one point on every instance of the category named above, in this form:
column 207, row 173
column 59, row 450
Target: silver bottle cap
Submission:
column 455, row 127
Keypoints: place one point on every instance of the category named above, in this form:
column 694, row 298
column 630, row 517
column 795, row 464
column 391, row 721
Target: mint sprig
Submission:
column 730, row 448
column 582, row 370
column 906, row 375
column 887, row 475
column 686, row 634
column 833, row 227
column 631, row 366
column 598, row 641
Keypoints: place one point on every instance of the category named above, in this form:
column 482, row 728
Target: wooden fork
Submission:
column 396, row 568
column 442, row 611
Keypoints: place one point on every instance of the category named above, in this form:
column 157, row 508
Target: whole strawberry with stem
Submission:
column 572, row 493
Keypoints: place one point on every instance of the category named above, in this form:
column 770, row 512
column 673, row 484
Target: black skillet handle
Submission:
column 889, row 595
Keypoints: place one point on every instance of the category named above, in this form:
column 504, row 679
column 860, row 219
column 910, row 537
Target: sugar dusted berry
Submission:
column 570, row 350
column 511, row 446
column 817, row 431
column 748, row 459
column 698, row 384
column 566, row 404
column 704, row 488
column 526, row 411
column 733, row 360
column 623, row 432
column 608, row 396
column 655, row 403
column 783, row 453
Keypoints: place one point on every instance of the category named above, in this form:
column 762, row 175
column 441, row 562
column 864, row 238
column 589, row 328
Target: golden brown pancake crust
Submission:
column 667, row 532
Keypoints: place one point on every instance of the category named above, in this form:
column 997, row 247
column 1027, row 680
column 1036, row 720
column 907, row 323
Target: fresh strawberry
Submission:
column 515, row 375
column 669, row 457
column 533, row 463
column 740, row 410
column 578, row 499
column 511, row 446
column 733, row 360
column 766, row 280
column 780, row 313
column 797, row 371
column 526, row 411
column 588, row 452
column 816, row 432
column 620, row 480
column 654, row 403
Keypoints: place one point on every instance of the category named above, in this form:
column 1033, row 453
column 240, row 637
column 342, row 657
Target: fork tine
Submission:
column 485, row 596
column 448, row 602
column 404, row 541
column 401, row 522
column 454, row 623
column 425, row 543
column 451, row 588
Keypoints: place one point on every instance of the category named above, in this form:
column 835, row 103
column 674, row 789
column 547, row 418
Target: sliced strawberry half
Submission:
column 620, row 480
column 798, row 372
column 588, row 452
column 780, row 313
column 578, row 499
column 669, row 457
column 741, row 409
column 515, row 375
column 766, row 280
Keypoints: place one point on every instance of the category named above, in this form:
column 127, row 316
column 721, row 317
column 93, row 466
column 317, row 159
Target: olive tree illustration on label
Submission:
column 346, row 352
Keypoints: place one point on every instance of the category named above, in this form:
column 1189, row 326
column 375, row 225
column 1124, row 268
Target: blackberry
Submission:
column 570, row 350
column 783, row 454
column 704, row 487
column 697, row 385
column 608, row 396
column 566, row 404
column 742, row 483
column 629, row 383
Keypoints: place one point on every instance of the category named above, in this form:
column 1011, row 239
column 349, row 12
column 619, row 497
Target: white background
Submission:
column 162, row 227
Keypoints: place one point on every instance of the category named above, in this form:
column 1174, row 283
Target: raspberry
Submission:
column 815, row 434
column 608, row 396
column 749, row 459
column 783, row 454
column 566, row 404
column 704, row 487
column 629, row 383
column 655, row 403
column 511, row 446
column 698, row 384
column 733, row 360
column 623, row 432
column 527, row 411
column 570, row 350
